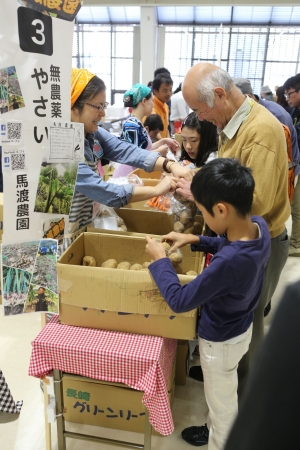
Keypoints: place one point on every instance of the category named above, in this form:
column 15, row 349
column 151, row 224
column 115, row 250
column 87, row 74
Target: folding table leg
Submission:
column 47, row 425
column 61, row 439
column 46, row 398
column 147, row 432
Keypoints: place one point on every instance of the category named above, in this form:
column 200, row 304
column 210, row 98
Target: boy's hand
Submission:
column 154, row 249
column 178, row 240
column 168, row 184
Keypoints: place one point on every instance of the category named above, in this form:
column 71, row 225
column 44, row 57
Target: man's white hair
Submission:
column 216, row 78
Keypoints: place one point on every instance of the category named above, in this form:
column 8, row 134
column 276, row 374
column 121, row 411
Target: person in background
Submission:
column 249, row 133
column 179, row 110
column 140, row 99
column 88, row 104
column 154, row 126
column 228, row 290
column 292, row 94
column 266, row 93
column 159, row 71
column 199, row 140
column 162, row 90
column 281, row 100
column 271, row 401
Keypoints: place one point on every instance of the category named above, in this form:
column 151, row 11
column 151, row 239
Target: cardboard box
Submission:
column 148, row 178
column 145, row 220
column 181, row 362
column 104, row 404
column 108, row 171
column 116, row 299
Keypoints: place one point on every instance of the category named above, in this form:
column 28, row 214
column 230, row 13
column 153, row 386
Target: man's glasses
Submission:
column 99, row 108
column 288, row 94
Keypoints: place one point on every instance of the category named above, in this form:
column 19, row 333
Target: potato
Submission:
column 146, row 264
column 178, row 270
column 192, row 273
column 175, row 258
column 197, row 228
column 166, row 246
column 185, row 217
column 89, row 261
column 136, row 267
column 124, row 265
column 110, row 264
column 178, row 227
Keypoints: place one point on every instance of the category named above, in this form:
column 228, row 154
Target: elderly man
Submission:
column 251, row 134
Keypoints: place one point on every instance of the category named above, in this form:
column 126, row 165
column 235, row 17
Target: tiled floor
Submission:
column 26, row 432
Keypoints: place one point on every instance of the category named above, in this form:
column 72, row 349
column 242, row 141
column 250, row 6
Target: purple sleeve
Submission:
column 202, row 289
column 208, row 244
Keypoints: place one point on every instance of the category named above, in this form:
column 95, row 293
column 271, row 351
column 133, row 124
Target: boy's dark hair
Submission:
column 154, row 122
column 208, row 142
column 160, row 79
column 161, row 70
column 292, row 83
column 224, row 180
column 94, row 87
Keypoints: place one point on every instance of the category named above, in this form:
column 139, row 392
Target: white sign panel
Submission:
column 35, row 78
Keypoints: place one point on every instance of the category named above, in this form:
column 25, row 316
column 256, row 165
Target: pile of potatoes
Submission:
column 175, row 257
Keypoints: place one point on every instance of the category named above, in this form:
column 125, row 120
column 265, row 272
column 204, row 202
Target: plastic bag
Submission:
column 161, row 203
column 106, row 217
column 130, row 179
column 184, row 213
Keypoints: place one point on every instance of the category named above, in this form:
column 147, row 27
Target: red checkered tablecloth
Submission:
column 141, row 362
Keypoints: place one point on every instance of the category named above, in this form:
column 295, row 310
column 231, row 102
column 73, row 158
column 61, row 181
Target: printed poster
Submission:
column 30, row 277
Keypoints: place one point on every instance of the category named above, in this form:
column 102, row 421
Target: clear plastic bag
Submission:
column 184, row 213
column 106, row 217
column 130, row 179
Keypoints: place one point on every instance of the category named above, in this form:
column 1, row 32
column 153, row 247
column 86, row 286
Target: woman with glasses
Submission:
column 88, row 104
column 199, row 140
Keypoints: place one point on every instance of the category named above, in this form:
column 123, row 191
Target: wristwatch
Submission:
column 165, row 168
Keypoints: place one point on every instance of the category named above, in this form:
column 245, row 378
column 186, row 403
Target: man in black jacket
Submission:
column 269, row 414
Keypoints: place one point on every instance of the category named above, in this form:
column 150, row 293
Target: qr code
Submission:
column 14, row 130
column 18, row 161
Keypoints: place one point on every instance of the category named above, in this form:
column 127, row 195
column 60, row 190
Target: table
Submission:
column 141, row 362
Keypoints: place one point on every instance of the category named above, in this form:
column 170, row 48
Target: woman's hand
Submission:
column 163, row 150
column 183, row 188
column 170, row 143
column 167, row 184
column 181, row 172
column 154, row 249
column 178, row 240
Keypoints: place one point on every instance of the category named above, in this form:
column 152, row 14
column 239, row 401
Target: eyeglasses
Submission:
column 99, row 108
column 288, row 94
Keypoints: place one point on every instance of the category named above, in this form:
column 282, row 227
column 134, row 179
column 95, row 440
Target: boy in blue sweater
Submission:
column 228, row 290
